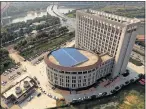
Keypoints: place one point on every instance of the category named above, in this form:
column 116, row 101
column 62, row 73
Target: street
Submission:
column 70, row 22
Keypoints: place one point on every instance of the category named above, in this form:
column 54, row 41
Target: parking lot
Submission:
column 38, row 102
column 10, row 75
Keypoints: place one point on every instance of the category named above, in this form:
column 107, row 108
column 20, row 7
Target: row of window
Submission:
column 80, row 72
column 75, row 82
column 59, row 76
column 101, row 48
column 107, row 45
column 97, row 26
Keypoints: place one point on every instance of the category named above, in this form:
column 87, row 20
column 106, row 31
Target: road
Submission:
column 70, row 22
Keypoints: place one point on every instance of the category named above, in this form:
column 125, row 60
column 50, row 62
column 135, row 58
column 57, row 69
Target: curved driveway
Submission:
column 53, row 11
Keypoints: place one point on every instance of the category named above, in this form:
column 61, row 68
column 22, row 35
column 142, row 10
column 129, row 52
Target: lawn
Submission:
column 60, row 103
column 138, row 63
column 71, row 15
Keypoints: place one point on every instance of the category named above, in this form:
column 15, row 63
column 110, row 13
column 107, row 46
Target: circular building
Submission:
column 72, row 68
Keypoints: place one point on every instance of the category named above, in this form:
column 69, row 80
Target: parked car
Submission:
column 132, row 80
column 93, row 96
column 127, row 82
column 4, row 82
column 122, row 85
column 4, row 74
column 87, row 97
column 53, row 88
column 19, row 73
column 113, row 91
column 56, row 98
column 104, row 93
column 117, row 87
column 39, row 94
column 99, row 94
column 29, row 99
column 49, row 95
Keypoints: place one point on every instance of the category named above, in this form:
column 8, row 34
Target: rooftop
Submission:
column 12, row 91
column 140, row 37
column 73, row 57
column 105, row 57
column 111, row 17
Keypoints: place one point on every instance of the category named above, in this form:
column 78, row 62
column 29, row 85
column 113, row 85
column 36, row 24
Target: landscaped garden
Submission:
column 44, row 45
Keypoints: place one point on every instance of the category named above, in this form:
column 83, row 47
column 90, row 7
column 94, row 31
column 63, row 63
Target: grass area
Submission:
column 71, row 15
column 127, row 11
column 130, row 97
column 50, row 44
column 60, row 103
column 138, row 63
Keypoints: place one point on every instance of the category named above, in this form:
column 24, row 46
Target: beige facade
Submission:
column 79, row 76
column 107, row 33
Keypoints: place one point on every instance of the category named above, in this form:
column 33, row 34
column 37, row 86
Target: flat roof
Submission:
column 13, row 89
column 83, row 57
column 105, row 57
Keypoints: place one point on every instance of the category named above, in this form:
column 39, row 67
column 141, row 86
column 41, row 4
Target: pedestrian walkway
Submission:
column 101, row 88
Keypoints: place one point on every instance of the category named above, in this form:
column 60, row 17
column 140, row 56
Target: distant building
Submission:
column 20, row 91
column 140, row 38
column 107, row 33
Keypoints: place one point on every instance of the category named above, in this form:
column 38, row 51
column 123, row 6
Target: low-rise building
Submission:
column 20, row 91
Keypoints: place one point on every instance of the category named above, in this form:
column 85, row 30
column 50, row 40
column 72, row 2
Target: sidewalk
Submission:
column 138, row 69
column 101, row 89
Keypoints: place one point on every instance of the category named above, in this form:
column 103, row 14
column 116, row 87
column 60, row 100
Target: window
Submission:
column 67, row 72
column 74, row 73
column 73, row 85
column 73, row 81
column 74, row 77
column 79, row 85
column 134, row 29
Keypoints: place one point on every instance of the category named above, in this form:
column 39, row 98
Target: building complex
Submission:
column 103, row 43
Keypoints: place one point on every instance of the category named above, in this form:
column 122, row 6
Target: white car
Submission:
column 31, row 97
column 4, row 83
column 4, row 74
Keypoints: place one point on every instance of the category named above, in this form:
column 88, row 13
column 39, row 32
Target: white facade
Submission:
column 107, row 33
column 78, row 79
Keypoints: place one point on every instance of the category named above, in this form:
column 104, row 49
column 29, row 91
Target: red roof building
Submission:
column 140, row 37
